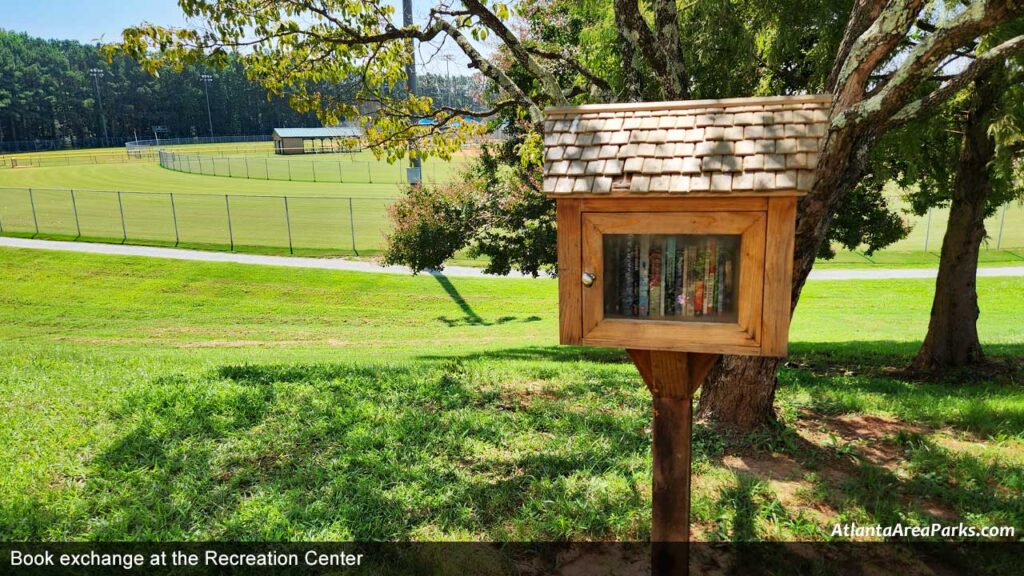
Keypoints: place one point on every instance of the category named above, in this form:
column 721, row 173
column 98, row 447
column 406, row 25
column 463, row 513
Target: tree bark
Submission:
column 739, row 393
column 952, row 338
column 631, row 80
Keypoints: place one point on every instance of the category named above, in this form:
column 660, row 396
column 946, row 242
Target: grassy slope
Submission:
column 172, row 400
column 319, row 212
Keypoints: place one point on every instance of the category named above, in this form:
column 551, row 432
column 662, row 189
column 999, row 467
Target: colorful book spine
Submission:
column 628, row 256
column 729, row 283
column 681, row 280
column 691, row 282
column 657, row 280
column 645, row 276
column 670, row 277
column 705, row 268
column 713, row 271
column 721, row 282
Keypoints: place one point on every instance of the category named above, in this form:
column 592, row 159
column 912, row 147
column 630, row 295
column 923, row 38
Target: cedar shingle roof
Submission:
column 733, row 145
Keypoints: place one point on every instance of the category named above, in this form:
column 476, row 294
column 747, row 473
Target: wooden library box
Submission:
column 676, row 220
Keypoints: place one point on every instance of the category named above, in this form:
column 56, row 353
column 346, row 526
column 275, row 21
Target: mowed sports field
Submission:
column 337, row 203
column 323, row 217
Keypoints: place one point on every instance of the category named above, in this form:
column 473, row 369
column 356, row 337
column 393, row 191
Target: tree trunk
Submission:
column 739, row 393
column 952, row 338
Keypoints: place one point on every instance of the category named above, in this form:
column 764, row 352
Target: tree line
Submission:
column 48, row 92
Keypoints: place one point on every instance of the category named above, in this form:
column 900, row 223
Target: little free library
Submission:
column 676, row 225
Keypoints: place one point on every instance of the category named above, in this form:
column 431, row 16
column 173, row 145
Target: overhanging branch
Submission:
column 981, row 65
column 493, row 72
column 922, row 61
column 551, row 88
column 573, row 63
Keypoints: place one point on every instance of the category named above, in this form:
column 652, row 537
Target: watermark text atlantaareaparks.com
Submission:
column 854, row 530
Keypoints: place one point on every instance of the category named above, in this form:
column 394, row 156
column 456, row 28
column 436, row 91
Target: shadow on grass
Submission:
column 470, row 318
column 852, row 377
column 356, row 452
column 544, row 354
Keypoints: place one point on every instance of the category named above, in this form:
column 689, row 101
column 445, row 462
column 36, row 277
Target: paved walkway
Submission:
column 342, row 264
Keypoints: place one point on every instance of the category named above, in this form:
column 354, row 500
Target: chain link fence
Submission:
column 334, row 168
column 1005, row 228
column 50, row 160
column 296, row 224
column 304, row 224
column 139, row 146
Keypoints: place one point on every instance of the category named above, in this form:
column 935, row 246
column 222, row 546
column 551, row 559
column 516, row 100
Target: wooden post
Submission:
column 672, row 378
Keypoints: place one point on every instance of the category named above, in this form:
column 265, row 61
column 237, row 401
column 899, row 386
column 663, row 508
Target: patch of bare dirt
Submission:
column 873, row 437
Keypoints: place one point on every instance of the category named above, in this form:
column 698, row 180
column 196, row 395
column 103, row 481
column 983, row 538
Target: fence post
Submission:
column 266, row 167
column 124, row 229
column 174, row 217
column 288, row 222
column 352, row 225
column 247, row 167
column 927, row 229
column 35, row 221
column 341, row 179
column 313, row 165
column 74, row 208
column 1002, row 220
column 289, row 163
column 231, row 233
column 369, row 175
column 231, row 174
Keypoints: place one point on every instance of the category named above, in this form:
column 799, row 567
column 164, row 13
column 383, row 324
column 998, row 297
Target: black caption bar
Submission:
column 499, row 559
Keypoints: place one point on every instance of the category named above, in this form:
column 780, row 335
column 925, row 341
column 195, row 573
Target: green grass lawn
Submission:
column 915, row 259
column 323, row 220
column 153, row 399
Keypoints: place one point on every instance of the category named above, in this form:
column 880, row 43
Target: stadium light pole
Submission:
column 410, row 76
column 96, row 74
column 206, row 79
column 448, row 78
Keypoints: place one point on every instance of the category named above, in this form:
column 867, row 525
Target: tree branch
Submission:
column 493, row 72
column 864, row 13
column 921, row 62
column 547, row 80
column 876, row 44
column 632, row 26
column 573, row 63
column 980, row 66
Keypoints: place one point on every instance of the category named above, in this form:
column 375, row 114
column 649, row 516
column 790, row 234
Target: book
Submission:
column 720, row 301
column 712, row 290
column 656, row 280
column 728, row 282
column 691, row 297
column 670, row 276
column 681, row 281
column 627, row 256
column 645, row 274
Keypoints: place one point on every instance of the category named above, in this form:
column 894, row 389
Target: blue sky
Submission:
column 85, row 20
column 93, row 20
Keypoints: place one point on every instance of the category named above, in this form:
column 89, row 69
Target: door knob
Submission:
column 588, row 279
